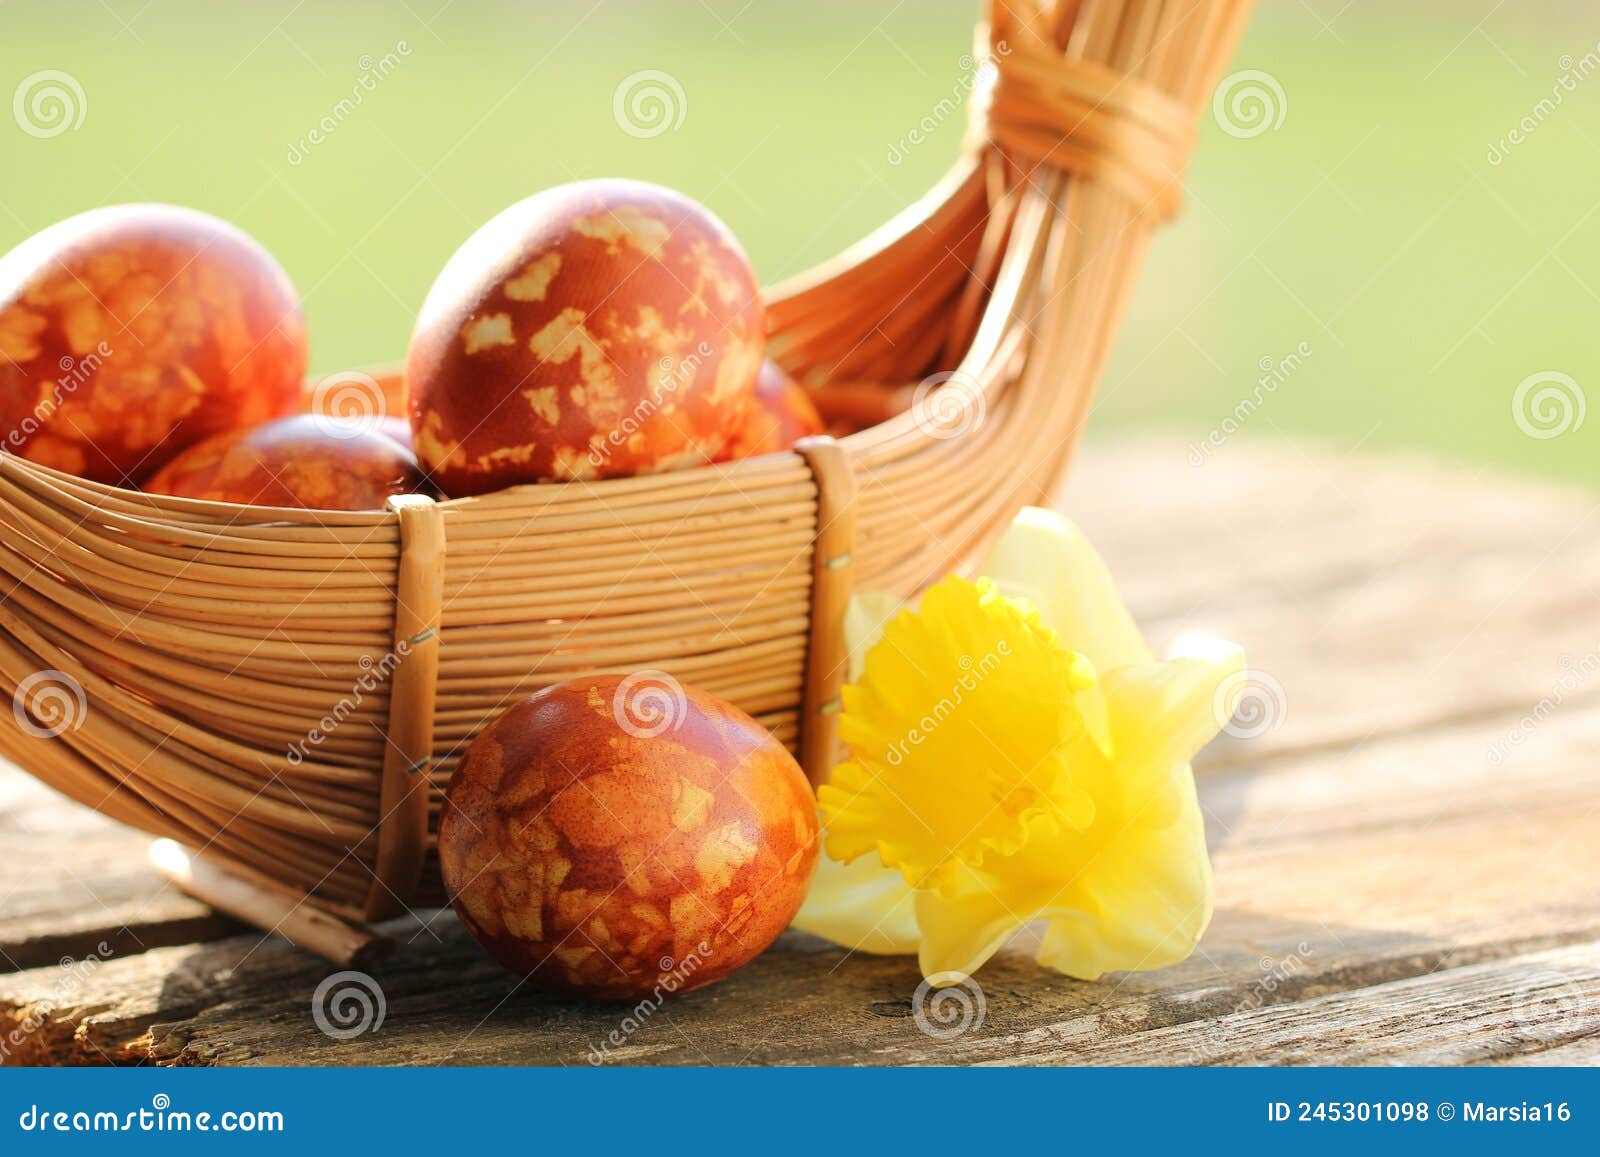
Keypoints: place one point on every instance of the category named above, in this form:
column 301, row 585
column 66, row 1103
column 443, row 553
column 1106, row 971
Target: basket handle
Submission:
column 832, row 571
column 403, row 800
column 1090, row 119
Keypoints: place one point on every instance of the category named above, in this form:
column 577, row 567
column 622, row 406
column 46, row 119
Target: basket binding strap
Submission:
column 832, row 570
column 1085, row 118
column 404, row 798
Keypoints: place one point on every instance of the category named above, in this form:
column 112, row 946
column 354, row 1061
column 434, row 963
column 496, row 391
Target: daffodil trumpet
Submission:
column 1017, row 756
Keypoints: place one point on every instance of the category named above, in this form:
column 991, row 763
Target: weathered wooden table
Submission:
column 1407, row 855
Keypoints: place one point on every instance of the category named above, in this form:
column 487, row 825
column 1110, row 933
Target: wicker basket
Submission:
column 282, row 694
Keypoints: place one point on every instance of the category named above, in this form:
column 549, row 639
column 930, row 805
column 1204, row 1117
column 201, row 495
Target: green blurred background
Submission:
column 1426, row 281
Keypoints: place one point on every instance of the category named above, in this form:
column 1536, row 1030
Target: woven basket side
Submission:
column 237, row 667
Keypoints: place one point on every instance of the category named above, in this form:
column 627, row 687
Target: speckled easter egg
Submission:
column 596, row 330
column 619, row 836
column 128, row 334
column 780, row 415
column 309, row 461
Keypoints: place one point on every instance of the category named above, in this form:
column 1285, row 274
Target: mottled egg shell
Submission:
column 781, row 414
column 309, row 461
column 129, row 333
column 599, row 329
column 614, row 837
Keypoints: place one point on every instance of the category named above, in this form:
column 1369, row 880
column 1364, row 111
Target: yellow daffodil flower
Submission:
column 1017, row 755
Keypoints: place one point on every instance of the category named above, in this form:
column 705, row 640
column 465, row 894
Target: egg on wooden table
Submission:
column 781, row 414
column 617, row 836
column 600, row 329
column 129, row 333
column 309, row 461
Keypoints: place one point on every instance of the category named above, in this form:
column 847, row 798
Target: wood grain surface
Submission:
column 1407, row 856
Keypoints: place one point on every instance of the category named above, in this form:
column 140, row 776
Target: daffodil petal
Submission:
column 1043, row 558
column 1142, row 902
column 1145, row 904
column 963, row 929
column 863, row 906
column 1096, row 717
column 1161, row 714
column 864, row 621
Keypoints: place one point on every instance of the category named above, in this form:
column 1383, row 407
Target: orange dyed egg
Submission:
column 596, row 330
column 309, row 461
column 615, row 837
column 130, row 333
column 397, row 430
column 782, row 414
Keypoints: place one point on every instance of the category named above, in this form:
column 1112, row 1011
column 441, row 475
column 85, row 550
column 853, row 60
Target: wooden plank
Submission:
column 1521, row 1008
column 1381, row 594
column 74, row 884
column 1335, row 873
column 1583, row 1053
column 1285, row 520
